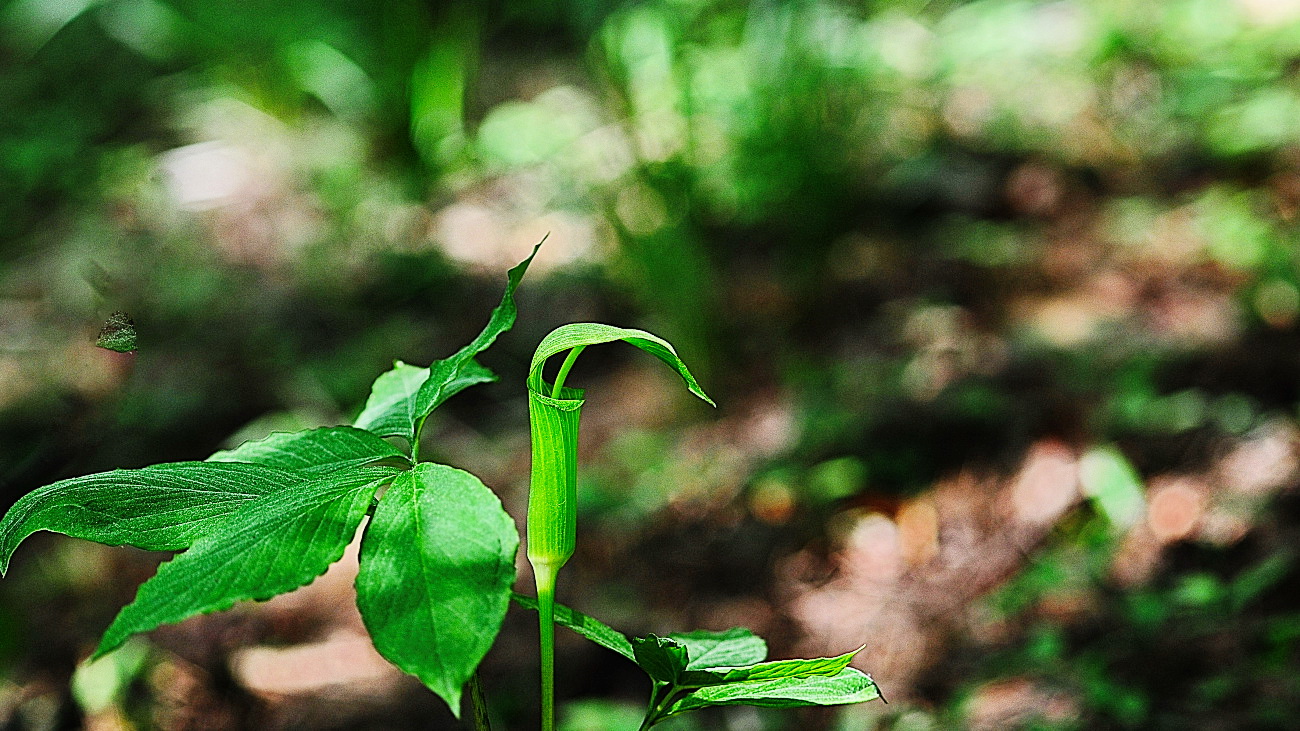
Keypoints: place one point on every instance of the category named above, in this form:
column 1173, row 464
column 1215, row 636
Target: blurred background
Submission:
column 999, row 301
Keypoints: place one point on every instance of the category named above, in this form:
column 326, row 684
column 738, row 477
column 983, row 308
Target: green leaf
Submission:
column 118, row 334
column 437, row 563
column 582, row 334
column 589, row 627
column 393, row 409
column 446, row 376
column 768, row 670
column 662, row 658
column 315, row 451
column 732, row 648
column 1111, row 481
column 390, row 409
column 848, row 686
column 269, row 546
column 165, row 507
column 403, row 397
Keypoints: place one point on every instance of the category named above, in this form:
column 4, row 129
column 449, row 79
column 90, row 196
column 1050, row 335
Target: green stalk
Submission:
column 545, row 579
column 565, row 367
column 553, row 492
column 552, row 506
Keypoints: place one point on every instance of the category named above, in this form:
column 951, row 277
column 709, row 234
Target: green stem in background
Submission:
column 479, row 704
column 565, row 367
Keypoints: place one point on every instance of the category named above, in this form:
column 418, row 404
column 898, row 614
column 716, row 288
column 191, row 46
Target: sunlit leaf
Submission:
column 403, row 397
column 768, row 670
column 437, row 563
column 269, row 546
column 445, row 375
column 314, row 451
column 163, row 507
column 848, row 686
column 731, row 648
column 390, row 409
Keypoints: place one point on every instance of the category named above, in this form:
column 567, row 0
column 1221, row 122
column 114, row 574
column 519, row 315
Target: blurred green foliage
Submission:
column 932, row 234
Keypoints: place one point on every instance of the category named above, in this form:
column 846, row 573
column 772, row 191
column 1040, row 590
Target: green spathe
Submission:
column 582, row 334
column 553, row 487
column 554, row 412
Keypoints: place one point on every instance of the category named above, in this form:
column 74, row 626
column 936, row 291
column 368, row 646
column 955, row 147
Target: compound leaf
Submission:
column 847, row 686
column 314, row 451
column 269, row 546
column 165, row 507
column 437, row 563
column 589, row 627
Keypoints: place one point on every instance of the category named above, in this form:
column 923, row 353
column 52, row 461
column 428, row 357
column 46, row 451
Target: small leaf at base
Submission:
column 663, row 659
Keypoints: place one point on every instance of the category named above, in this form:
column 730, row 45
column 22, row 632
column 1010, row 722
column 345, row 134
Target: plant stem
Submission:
column 564, row 370
column 479, row 703
column 659, row 695
column 650, row 709
column 544, row 573
column 415, row 440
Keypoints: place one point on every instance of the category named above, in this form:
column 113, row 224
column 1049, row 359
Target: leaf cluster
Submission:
column 437, row 556
column 694, row 670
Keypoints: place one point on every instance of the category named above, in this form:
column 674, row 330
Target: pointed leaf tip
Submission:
column 402, row 397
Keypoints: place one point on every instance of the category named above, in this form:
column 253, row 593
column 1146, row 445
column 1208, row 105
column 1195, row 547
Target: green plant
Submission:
column 437, row 554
